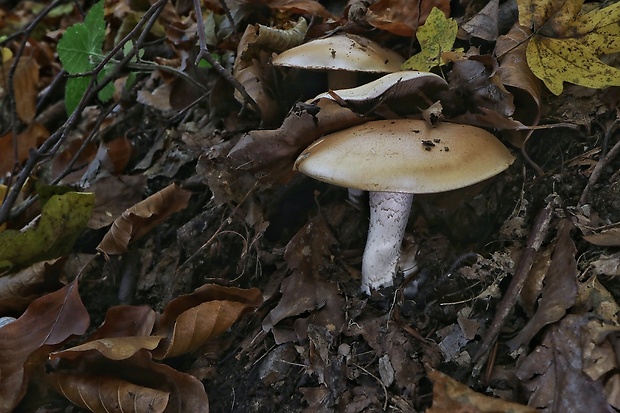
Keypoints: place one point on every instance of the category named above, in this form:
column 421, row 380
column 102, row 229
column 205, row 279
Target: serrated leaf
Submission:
column 82, row 43
column 436, row 36
column 567, row 43
column 107, row 92
column 74, row 90
column 63, row 218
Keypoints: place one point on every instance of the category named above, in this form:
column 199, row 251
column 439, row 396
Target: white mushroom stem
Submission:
column 389, row 213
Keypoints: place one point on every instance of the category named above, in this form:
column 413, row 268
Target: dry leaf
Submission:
column 29, row 139
column 567, row 43
column 451, row 396
column 19, row 289
column 191, row 320
column 403, row 17
column 99, row 393
column 559, row 291
column 138, row 220
column 48, row 321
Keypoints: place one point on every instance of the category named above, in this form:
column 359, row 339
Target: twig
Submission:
column 204, row 53
column 598, row 169
column 534, row 242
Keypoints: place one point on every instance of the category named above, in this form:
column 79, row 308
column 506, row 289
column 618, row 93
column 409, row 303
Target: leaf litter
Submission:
column 200, row 196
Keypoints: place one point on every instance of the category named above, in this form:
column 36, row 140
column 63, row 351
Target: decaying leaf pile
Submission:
column 159, row 253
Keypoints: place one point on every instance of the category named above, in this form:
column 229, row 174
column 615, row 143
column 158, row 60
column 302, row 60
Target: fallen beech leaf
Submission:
column 62, row 219
column 270, row 153
column 554, row 372
column 191, row 320
column 106, row 394
column 49, row 320
column 19, row 289
column 606, row 238
column 451, row 396
column 115, row 348
column 559, row 291
column 567, row 43
column 25, row 84
column 126, row 321
column 403, row 17
column 436, row 36
column 138, row 220
column 29, row 139
column 484, row 24
column 113, row 195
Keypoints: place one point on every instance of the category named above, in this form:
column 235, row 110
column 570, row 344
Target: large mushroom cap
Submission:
column 341, row 52
column 405, row 155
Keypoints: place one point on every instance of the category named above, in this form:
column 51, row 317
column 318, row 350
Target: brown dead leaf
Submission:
column 99, row 393
column 19, row 289
column 609, row 237
column 559, row 291
column 113, row 195
column 25, row 84
column 63, row 160
column 484, row 25
column 138, row 220
column 306, row 255
column 29, row 139
column 270, row 153
column 48, row 321
column 554, row 371
column 140, row 373
column 474, row 87
column 402, row 17
column 191, row 320
column 451, row 396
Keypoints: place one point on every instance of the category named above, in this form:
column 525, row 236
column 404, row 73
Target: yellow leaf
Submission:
column 568, row 43
column 436, row 36
column 7, row 54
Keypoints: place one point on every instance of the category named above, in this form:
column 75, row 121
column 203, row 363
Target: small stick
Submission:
column 598, row 169
column 204, row 53
column 534, row 242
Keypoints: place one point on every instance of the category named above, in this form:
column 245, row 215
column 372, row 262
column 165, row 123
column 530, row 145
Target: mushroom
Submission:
column 342, row 56
column 395, row 159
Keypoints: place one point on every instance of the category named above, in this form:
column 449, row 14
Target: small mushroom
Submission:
column 342, row 56
column 394, row 159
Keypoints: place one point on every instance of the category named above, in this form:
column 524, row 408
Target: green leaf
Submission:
column 63, row 218
column 437, row 35
column 107, row 92
column 81, row 45
column 75, row 89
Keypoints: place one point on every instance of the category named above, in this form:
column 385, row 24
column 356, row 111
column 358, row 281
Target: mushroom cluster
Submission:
column 393, row 160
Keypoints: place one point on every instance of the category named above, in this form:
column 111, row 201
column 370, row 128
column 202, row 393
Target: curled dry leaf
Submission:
column 484, row 25
column 516, row 75
column 49, row 320
column 559, row 291
column 99, row 393
column 403, row 17
column 138, row 220
column 270, row 153
column 19, row 289
column 191, row 320
column 451, row 396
